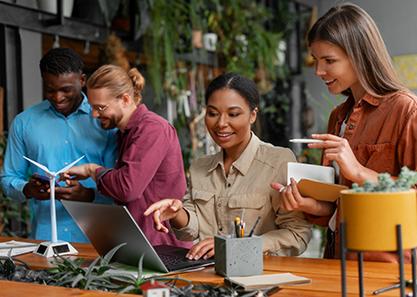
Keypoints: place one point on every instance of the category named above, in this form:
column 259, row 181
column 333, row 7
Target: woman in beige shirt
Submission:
column 236, row 181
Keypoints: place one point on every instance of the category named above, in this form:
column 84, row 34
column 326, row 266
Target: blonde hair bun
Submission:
column 138, row 82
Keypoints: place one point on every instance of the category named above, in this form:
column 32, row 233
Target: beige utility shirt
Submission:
column 214, row 199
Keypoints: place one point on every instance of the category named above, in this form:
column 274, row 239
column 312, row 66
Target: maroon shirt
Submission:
column 149, row 168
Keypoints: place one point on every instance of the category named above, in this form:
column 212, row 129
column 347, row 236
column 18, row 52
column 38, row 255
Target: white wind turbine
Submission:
column 55, row 246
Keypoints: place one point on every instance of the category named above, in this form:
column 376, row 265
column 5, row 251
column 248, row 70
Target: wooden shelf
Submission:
column 43, row 22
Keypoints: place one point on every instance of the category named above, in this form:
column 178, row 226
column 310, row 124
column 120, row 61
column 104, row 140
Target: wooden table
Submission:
column 325, row 276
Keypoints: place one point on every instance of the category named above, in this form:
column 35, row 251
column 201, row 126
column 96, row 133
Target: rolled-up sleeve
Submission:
column 191, row 230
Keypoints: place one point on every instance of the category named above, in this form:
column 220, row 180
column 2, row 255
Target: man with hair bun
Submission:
column 56, row 132
column 149, row 166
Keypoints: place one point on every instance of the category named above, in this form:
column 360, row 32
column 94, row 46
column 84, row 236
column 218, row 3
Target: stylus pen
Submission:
column 254, row 225
column 305, row 140
column 383, row 290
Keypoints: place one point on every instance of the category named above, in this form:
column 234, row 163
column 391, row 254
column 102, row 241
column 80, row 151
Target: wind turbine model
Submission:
column 55, row 246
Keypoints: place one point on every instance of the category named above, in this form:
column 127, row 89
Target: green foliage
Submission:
column 405, row 181
column 71, row 273
column 248, row 37
column 310, row 156
column 163, row 39
column 244, row 43
column 13, row 215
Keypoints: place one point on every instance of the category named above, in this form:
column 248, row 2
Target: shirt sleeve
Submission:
column 189, row 232
column 108, row 161
column 293, row 231
column 14, row 173
column 139, row 163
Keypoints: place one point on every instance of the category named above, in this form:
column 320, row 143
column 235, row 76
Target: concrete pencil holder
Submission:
column 238, row 256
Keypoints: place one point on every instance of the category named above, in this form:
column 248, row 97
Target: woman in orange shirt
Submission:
column 375, row 129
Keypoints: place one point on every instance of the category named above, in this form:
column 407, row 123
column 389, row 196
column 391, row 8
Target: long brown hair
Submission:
column 354, row 31
column 118, row 81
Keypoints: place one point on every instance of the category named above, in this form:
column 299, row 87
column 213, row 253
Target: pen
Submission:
column 305, row 140
column 254, row 225
column 237, row 226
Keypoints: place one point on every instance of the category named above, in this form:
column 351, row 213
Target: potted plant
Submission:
column 378, row 217
column 371, row 213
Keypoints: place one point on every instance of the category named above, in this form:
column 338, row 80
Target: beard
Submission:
column 107, row 123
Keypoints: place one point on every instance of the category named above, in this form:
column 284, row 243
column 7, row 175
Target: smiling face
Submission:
column 228, row 119
column 107, row 108
column 334, row 67
column 63, row 91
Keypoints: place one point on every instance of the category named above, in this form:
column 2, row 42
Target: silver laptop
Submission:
column 110, row 225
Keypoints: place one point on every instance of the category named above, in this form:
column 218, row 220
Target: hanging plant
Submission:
column 244, row 43
column 163, row 40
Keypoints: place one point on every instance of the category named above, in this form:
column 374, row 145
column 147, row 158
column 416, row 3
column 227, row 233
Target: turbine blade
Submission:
column 44, row 168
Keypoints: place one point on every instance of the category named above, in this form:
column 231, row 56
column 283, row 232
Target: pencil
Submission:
column 254, row 226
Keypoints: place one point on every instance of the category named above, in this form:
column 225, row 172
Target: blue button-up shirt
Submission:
column 48, row 137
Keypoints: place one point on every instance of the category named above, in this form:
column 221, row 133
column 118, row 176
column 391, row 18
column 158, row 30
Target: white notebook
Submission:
column 14, row 248
column 268, row 280
column 315, row 181
column 319, row 173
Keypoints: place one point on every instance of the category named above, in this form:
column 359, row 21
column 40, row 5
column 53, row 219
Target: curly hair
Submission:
column 61, row 60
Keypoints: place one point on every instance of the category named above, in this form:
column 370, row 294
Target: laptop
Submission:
column 107, row 226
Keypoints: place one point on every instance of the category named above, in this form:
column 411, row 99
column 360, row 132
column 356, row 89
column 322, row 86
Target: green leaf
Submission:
column 76, row 280
column 107, row 258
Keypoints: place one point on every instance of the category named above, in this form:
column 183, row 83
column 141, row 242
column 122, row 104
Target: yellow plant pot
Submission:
column 371, row 218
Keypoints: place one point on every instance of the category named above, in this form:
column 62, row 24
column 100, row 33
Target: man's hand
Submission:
column 204, row 249
column 80, row 172
column 36, row 189
column 74, row 191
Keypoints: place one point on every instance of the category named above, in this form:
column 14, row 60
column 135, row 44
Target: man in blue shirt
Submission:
column 54, row 133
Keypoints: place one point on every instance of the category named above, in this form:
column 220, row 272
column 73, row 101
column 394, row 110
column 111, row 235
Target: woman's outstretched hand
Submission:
column 163, row 210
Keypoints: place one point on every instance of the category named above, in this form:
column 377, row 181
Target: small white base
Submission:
column 49, row 249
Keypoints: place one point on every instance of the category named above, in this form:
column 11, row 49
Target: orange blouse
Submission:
column 382, row 133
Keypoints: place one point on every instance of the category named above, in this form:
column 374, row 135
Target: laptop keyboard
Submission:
column 174, row 258
column 170, row 260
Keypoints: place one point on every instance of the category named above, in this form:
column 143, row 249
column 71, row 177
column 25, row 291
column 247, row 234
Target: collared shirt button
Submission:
column 66, row 229
column 65, row 163
column 66, row 141
column 351, row 126
column 220, row 228
column 229, row 185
